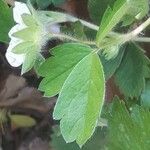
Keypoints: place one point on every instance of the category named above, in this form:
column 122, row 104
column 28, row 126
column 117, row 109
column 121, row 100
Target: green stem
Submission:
column 142, row 39
column 133, row 35
column 67, row 37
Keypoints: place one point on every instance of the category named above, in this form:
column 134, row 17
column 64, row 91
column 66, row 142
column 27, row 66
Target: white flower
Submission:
column 40, row 35
column 16, row 59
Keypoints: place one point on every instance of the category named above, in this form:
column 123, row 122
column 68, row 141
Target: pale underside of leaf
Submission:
column 81, row 99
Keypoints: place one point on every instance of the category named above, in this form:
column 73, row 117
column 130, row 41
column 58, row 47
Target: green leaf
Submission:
column 130, row 74
column 29, row 20
column 110, row 18
column 81, row 99
column 22, row 48
column 127, row 131
column 58, row 2
column 23, row 34
column 30, row 58
column 6, row 21
column 138, row 9
column 110, row 66
column 97, row 141
column 39, row 61
column 97, row 8
column 57, row 68
column 145, row 96
column 42, row 4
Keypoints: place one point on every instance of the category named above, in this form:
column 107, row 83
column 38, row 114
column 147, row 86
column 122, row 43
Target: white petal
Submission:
column 18, row 10
column 14, row 60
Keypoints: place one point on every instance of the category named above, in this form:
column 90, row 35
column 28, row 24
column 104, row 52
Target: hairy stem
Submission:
column 142, row 39
column 67, row 37
column 133, row 35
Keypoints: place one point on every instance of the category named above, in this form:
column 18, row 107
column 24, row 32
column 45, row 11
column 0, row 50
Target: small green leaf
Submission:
column 29, row 20
column 131, row 72
column 22, row 48
column 28, row 34
column 6, row 21
column 97, row 9
column 57, row 68
column 110, row 18
column 30, row 58
column 81, row 99
column 110, row 66
column 137, row 10
column 22, row 120
column 39, row 61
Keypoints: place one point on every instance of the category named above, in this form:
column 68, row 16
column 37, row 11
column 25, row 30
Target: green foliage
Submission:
column 6, row 21
column 56, row 69
column 74, row 70
column 45, row 3
column 81, row 100
column 137, row 10
column 126, row 130
column 97, row 141
column 111, row 17
column 97, row 8
column 30, row 59
column 110, row 66
column 130, row 74
column 145, row 96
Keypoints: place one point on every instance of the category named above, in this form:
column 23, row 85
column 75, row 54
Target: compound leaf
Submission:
column 56, row 69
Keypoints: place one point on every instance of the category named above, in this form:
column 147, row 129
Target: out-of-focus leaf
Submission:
column 6, row 21
column 128, row 131
column 130, row 76
column 97, row 8
column 145, row 96
column 97, row 141
column 137, row 10
column 42, row 4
